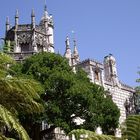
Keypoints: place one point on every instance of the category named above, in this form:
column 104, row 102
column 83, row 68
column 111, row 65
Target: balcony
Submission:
column 19, row 56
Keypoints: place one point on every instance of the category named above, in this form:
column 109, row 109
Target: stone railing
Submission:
column 56, row 136
column 21, row 55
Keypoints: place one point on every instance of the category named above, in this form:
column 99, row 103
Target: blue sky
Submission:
column 101, row 27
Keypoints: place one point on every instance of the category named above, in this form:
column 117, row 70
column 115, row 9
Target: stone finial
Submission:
column 17, row 14
column 33, row 13
column 7, row 24
column 67, row 43
column 45, row 12
column 33, row 18
column 68, row 51
column 76, row 58
column 75, row 52
column 7, row 21
column 16, row 18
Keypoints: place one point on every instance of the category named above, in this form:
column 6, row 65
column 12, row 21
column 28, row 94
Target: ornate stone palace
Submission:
column 105, row 74
column 31, row 38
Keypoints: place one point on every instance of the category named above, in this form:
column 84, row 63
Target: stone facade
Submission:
column 105, row 74
column 30, row 38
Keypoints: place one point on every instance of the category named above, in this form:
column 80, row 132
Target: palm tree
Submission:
column 16, row 95
column 8, row 119
column 131, row 128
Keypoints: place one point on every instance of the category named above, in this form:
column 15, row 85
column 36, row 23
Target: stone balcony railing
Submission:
column 19, row 56
column 56, row 136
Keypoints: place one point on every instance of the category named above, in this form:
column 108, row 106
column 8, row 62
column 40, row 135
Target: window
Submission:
column 96, row 75
column 24, row 47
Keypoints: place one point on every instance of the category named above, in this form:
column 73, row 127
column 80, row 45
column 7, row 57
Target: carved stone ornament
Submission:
column 41, row 29
column 40, row 39
column 24, row 27
column 24, row 38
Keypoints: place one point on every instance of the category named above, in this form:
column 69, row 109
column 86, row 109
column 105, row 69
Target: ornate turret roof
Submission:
column 33, row 13
column 109, row 57
column 17, row 14
column 75, row 52
column 7, row 21
column 46, row 18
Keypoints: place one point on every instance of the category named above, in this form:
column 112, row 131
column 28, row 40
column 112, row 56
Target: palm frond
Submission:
column 132, row 129
column 6, row 59
column 2, row 137
column 12, row 123
column 21, row 91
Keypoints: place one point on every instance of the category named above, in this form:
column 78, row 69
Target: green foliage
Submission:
column 137, row 99
column 89, row 135
column 110, row 116
column 17, row 95
column 5, row 138
column 103, row 112
column 20, row 94
column 131, row 126
column 137, row 96
column 8, row 46
column 43, row 64
column 131, row 129
column 5, row 59
column 69, row 95
column 7, row 118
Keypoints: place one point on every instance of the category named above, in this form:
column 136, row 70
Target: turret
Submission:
column 68, row 50
column 7, row 24
column 76, row 58
column 33, row 19
column 16, row 19
column 110, row 70
column 47, row 24
column 33, row 29
column 46, row 17
column 50, row 32
column 16, row 47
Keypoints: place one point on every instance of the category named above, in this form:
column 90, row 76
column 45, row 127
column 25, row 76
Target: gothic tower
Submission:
column 75, row 55
column 110, row 70
column 7, row 25
column 48, row 25
column 73, row 58
column 31, row 38
column 68, row 51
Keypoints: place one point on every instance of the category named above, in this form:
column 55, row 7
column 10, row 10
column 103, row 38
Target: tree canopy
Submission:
column 70, row 96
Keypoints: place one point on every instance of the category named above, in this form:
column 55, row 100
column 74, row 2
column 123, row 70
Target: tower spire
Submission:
column 75, row 52
column 7, row 20
column 76, row 58
column 33, row 13
column 33, row 18
column 67, row 43
column 17, row 14
column 7, row 24
column 68, row 50
column 45, row 10
column 45, row 5
column 16, row 18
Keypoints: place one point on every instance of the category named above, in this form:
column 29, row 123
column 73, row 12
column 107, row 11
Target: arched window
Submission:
column 40, row 47
column 24, row 47
column 96, row 75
